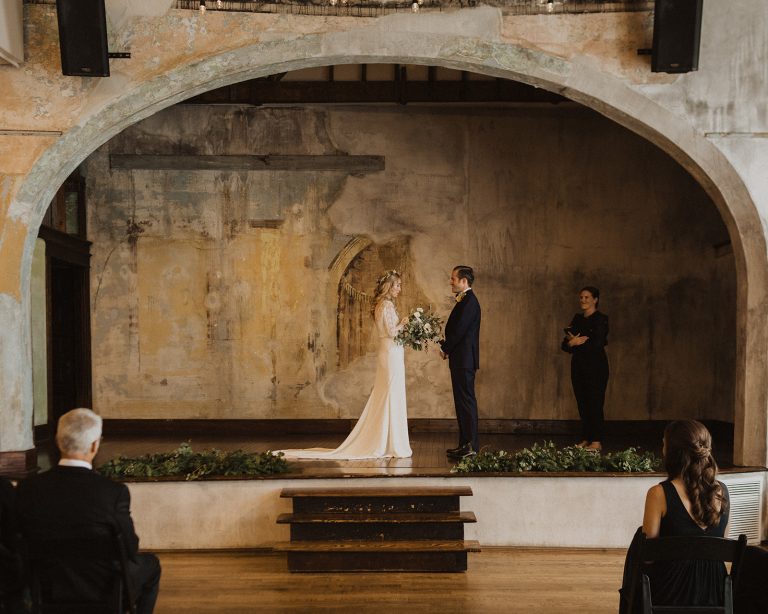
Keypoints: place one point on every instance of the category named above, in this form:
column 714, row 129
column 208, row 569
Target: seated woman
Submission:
column 690, row 502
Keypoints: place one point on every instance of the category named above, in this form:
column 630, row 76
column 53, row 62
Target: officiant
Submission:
column 585, row 339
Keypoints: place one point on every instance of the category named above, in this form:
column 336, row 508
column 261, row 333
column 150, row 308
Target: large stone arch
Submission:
column 399, row 43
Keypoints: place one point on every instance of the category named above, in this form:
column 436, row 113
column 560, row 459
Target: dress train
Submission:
column 382, row 430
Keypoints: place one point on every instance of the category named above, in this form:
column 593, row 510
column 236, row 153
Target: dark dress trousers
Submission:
column 77, row 501
column 462, row 344
column 589, row 371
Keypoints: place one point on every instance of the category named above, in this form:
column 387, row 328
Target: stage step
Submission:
column 415, row 545
column 375, row 500
column 377, row 529
column 381, row 526
column 461, row 491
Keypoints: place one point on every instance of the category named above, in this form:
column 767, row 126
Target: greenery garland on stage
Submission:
column 191, row 465
column 548, row 458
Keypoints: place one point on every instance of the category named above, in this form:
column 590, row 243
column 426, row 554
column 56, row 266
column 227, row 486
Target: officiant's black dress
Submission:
column 686, row 582
column 589, row 371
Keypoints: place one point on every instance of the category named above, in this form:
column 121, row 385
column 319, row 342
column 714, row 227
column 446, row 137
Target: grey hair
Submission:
column 77, row 430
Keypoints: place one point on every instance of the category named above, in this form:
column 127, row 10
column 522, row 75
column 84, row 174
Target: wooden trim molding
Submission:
column 351, row 164
column 68, row 248
column 18, row 464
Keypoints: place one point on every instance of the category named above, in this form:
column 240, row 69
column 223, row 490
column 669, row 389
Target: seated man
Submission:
column 71, row 499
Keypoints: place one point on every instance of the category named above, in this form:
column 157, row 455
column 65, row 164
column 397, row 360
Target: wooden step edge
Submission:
column 366, row 518
column 411, row 491
column 419, row 545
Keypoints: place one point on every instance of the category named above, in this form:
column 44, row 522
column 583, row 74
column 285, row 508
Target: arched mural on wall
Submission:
column 354, row 333
column 607, row 94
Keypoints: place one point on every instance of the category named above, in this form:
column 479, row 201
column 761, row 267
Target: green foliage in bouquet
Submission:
column 183, row 461
column 421, row 328
column 547, row 457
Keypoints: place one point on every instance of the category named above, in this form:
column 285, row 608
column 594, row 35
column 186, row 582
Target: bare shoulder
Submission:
column 655, row 493
column 655, row 509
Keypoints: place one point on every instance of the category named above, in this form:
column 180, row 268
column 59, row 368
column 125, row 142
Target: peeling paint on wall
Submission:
column 215, row 298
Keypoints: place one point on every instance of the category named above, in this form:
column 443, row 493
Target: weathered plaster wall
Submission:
column 712, row 122
column 199, row 310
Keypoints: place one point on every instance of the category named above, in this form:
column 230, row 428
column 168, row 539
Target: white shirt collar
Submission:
column 73, row 462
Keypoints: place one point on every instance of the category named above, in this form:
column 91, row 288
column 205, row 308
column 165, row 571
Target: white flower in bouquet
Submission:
column 421, row 328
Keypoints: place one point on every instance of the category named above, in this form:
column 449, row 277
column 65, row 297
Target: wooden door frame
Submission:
column 75, row 252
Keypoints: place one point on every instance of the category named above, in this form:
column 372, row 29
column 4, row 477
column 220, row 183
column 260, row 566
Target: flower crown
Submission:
column 386, row 276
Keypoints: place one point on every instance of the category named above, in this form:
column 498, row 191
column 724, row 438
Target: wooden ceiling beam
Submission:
column 269, row 162
column 401, row 91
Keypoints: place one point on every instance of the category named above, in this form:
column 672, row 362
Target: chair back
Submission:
column 682, row 548
column 80, row 573
column 702, row 548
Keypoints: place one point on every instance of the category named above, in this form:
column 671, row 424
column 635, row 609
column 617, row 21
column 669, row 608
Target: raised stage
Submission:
column 429, row 440
column 528, row 509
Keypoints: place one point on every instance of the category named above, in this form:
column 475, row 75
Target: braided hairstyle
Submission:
column 383, row 288
column 688, row 456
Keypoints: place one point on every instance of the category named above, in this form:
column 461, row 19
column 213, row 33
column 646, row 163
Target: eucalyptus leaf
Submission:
column 546, row 457
column 185, row 462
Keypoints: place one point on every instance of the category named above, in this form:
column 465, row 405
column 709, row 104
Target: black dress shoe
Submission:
column 454, row 450
column 463, row 452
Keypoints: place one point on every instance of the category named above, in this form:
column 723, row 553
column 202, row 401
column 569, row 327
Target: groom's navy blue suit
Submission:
column 462, row 344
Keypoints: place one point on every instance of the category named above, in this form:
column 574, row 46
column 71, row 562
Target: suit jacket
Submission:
column 74, row 501
column 462, row 334
column 10, row 560
column 7, row 513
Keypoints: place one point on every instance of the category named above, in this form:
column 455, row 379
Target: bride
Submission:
column 382, row 430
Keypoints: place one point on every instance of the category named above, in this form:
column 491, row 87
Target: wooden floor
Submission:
column 428, row 451
column 428, row 458
column 531, row 581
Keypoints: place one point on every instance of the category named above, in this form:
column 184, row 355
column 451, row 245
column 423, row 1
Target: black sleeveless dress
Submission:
column 686, row 582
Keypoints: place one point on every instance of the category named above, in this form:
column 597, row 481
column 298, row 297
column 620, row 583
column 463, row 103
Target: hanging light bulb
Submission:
column 415, row 7
column 202, row 7
column 550, row 6
column 219, row 4
column 333, row 2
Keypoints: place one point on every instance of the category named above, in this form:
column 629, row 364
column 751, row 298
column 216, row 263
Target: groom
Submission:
column 461, row 347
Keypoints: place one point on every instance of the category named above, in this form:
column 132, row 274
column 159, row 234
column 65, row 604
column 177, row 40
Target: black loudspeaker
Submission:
column 83, row 38
column 676, row 35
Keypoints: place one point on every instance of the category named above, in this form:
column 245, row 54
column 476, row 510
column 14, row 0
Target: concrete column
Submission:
column 16, row 445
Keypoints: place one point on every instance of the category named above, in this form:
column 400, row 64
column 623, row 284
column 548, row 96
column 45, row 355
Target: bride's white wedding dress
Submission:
column 382, row 430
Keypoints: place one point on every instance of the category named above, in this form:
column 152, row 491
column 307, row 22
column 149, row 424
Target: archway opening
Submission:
column 608, row 94
column 210, row 276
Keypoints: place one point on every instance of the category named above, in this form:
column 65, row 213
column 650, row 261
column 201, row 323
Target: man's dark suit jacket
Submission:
column 74, row 501
column 10, row 561
column 462, row 334
column 7, row 513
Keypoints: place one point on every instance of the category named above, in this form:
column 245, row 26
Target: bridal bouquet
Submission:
column 420, row 329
